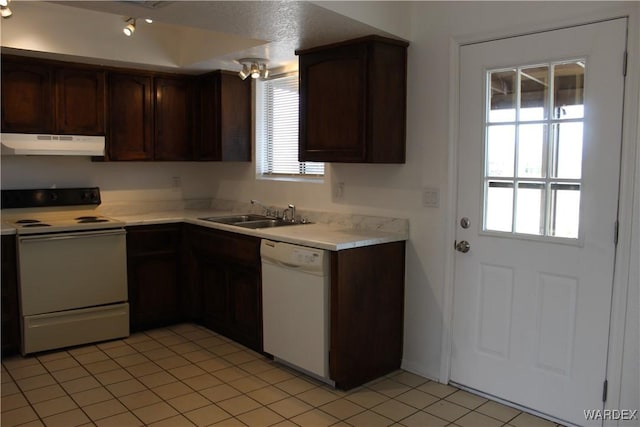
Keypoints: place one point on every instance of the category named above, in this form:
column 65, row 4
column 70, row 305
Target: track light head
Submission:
column 130, row 28
column 254, row 67
column 244, row 73
column 5, row 12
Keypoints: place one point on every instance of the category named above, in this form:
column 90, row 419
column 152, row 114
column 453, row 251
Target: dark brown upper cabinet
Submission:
column 174, row 118
column 80, row 98
column 146, row 115
column 130, row 117
column 225, row 117
column 150, row 118
column 353, row 101
column 47, row 97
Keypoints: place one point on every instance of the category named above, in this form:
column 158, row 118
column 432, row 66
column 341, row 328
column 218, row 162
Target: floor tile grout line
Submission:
column 83, row 365
column 172, row 339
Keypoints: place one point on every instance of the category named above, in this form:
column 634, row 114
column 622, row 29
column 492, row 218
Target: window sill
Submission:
column 292, row 178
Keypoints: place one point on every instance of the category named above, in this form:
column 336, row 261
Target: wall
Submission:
column 389, row 190
column 138, row 181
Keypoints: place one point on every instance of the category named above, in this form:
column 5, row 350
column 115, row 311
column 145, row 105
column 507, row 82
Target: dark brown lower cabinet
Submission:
column 186, row 272
column 225, row 273
column 367, row 312
column 156, row 297
column 10, row 308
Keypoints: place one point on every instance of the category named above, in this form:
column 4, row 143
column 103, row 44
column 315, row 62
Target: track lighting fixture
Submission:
column 254, row 67
column 130, row 26
column 5, row 12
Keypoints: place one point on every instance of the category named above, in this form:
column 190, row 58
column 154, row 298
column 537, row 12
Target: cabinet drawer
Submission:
column 230, row 246
column 149, row 239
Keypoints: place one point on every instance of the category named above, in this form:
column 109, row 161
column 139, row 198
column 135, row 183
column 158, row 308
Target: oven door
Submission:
column 72, row 270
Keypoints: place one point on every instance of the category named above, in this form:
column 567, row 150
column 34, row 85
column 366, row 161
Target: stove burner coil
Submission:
column 37, row 224
column 27, row 221
column 91, row 220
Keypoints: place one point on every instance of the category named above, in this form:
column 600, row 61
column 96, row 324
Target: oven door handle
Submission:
column 72, row 235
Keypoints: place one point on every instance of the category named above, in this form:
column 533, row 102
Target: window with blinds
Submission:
column 277, row 129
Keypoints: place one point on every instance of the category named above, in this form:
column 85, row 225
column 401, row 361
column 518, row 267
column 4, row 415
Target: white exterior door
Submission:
column 538, row 171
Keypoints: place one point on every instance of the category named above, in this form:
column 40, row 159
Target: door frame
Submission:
column 629, row 192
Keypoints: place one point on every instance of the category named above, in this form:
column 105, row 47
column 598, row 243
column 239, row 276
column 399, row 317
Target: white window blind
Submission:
column 277, row 129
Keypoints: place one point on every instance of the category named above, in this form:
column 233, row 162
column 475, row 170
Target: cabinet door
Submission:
column 235, row 118
column 245, row 305
column 153, row 269
column 80, row 101
column 208, row 146
column 332, row 105
column 130, row 112
column 173, row 119
column 27, row 98
column 215, row 296
column 225, row 117
column 10, row 309
column 154, row 296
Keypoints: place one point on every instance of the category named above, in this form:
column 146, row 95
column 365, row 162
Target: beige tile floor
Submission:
column 186, row 375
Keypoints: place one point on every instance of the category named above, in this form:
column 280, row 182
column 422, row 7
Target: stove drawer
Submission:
column 74, row 327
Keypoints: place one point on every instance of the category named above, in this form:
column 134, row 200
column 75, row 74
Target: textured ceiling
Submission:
column 270, row 29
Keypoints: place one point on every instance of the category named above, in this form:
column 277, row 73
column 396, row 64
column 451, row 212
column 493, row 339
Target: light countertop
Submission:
column 332, row 233
column 6, row 230
column 332, row 237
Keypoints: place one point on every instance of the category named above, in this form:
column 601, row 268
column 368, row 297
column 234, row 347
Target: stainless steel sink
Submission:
column 264, row 223
column 251, row 221
column 233, row 219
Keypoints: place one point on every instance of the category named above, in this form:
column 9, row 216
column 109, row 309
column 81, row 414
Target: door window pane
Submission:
column 499, row 207
column 567, row 150
column 530, row 209
column 500, row 150
column 565, row 210
column 534, row 89
column 531, row 150
column 568, row 92
column 502, row 102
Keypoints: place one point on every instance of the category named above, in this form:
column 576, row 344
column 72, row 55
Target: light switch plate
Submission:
column 430, row 197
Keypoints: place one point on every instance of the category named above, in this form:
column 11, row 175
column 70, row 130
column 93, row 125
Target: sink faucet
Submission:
column 267, row 211
column 291, row 209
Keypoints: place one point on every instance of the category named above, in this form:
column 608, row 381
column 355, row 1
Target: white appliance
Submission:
column 72, row 268
column 52, row 145
column 295, row 306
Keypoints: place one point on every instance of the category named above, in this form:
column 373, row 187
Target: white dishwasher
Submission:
column 295, row 306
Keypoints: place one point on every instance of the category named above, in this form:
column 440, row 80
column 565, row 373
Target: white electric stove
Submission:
column 72, row 268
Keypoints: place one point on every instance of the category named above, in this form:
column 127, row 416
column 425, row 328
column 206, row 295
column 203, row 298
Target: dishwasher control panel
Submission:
column 304, row 256
column 293, row 256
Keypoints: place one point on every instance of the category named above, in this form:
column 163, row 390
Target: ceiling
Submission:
column 200, row 35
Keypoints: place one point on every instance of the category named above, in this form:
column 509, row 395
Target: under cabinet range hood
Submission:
column 51, row 145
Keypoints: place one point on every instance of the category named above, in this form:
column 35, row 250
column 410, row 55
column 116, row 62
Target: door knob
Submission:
column 463, row 246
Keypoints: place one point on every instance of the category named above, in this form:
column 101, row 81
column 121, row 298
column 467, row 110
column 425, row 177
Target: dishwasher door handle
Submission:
column 281, row 263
